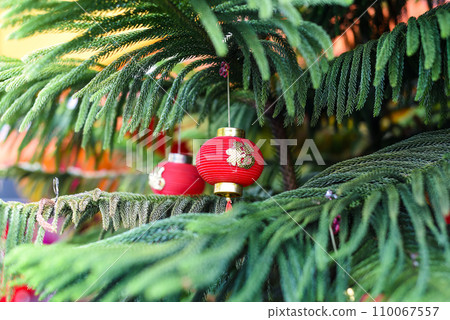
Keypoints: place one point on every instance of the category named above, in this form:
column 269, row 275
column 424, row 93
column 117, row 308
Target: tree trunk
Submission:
column 288, row 170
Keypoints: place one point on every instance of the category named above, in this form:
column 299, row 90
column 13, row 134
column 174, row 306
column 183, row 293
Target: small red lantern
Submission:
column 229, row 162
column 176, row 176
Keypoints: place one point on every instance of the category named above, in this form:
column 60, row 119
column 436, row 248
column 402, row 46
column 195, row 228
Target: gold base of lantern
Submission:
column 230, row 132
column 228, row 189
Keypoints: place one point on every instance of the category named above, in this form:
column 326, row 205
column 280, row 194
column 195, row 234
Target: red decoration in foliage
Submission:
column 176, row 177
column 366, row 298
column 224, row 69
column 336, row 225
column 229, row 159
column 447, row 218
column 5, row 233
column 21, row 294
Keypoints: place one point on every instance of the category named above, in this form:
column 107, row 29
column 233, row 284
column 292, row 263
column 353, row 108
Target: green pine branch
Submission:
column 139, row 87
column 169, row 35
column 74, row 180
column 379, row 70
column 118, row 210
column 393, row 240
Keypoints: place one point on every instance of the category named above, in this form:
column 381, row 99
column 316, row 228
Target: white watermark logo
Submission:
column 141, row 147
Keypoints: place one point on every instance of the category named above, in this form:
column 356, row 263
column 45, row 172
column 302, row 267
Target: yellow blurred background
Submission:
column 19, row 48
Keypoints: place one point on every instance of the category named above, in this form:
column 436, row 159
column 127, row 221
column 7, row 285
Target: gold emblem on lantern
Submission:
column 240, row 155
column 156, row 180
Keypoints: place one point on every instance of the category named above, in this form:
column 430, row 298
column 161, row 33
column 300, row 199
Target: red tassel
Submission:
column 228, row 207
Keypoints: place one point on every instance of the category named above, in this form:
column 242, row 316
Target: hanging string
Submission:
column 225, row 72
column 179, row 138
column 228, row 94
column 335, row 226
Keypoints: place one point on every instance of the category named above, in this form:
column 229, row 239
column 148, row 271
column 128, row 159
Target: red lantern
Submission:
column 176, row 176
column 229, row 162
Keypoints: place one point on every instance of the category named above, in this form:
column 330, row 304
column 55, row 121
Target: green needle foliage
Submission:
column 151, row 64
column 75, row 180
column 393, row 240
column 117, row 210
column 194, row 40
column 170, row 34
